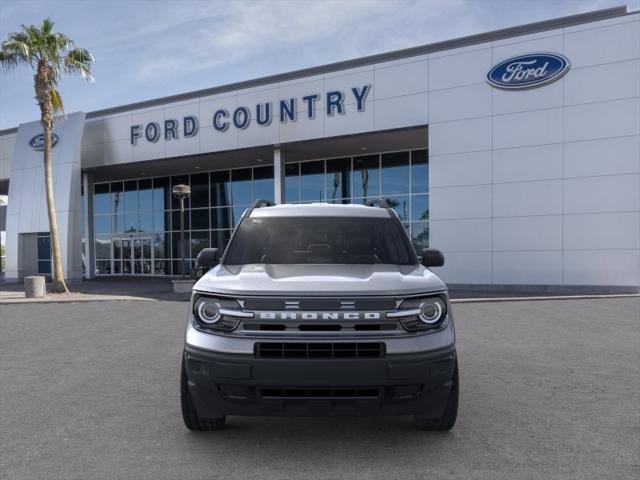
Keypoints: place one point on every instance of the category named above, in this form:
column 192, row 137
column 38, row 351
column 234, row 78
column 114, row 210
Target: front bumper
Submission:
column 411, row 383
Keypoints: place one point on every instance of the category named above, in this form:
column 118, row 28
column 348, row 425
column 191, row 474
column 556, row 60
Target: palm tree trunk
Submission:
column 59, row 284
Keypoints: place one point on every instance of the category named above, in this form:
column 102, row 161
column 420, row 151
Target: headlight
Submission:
column 431, row 311
column 421, row 313
column 208, row 310
column 213, row 313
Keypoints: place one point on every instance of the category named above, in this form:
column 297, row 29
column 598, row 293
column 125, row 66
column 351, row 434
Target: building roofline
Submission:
column 459, row 42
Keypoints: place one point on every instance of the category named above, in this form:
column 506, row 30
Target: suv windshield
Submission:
column 306, row 240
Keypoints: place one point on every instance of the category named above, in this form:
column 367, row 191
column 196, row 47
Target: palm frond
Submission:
column 79, row 60
column 56, row 101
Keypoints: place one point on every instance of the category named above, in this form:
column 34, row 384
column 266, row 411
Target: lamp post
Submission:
column 182, row 192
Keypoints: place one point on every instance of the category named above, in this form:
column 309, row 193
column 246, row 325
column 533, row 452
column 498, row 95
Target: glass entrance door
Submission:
column 133, row 256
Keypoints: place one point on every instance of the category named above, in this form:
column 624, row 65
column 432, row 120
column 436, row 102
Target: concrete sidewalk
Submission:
column 103, row 289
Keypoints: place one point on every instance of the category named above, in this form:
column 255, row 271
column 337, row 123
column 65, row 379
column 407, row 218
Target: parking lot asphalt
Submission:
column 549, row 389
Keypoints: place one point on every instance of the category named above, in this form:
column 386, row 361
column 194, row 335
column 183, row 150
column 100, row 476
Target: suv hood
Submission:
column 338, row 280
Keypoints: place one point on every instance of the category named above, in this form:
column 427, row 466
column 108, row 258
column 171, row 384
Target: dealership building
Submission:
column 515, row 152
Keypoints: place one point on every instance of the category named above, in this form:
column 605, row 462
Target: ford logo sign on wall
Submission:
column 528, row 71
column 37, row 142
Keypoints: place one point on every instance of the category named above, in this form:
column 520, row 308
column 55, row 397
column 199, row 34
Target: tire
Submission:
column 191, row 418
column 448, row 418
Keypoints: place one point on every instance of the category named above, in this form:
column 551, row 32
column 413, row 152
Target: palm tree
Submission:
column 50, row 55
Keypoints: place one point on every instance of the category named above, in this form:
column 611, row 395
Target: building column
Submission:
column 278, row 175
column 87, row 212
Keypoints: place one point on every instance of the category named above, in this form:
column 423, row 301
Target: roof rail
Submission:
column 381, row 202
column 258, row 204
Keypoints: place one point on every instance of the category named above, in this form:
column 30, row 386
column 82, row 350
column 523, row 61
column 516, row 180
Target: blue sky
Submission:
column 151, row 48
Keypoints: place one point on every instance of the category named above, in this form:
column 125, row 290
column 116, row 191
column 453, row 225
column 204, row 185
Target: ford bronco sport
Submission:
column 319, row 309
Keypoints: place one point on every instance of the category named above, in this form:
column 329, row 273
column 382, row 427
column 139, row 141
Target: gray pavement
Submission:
column 549, row 389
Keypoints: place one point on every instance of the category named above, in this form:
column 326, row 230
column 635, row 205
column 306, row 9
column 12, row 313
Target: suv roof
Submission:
column 320, row 210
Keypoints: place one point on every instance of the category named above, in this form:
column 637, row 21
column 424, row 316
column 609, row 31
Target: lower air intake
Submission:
column 319, row 350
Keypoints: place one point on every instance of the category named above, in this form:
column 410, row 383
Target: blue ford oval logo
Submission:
column 37, row 142
column 528, row 71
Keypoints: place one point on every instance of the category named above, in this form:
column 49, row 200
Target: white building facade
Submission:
column 515, row 152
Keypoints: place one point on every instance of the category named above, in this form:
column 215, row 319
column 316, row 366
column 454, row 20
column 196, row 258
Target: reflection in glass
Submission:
column 338, row 183
column 199, row 240
column 263, row 183
column 312, row 181
column 103, row 247
column 175, row 220
column 162, row 267
column 220, row 189
column 400, row 205
column 101, row 224
column 366, row 176
column 200, row 219
column 117, row 199
column 145, row 195
column 131, row 196
column 161, row 194
column 101, row 198
column 160, row 221
column 420, row 207
column 395, row 173
column 200, row 190
column 146, row 221
column 220, row 218
column 241, row 192
column 160, row 244
column 292, row 182
column 131, row 223
column 419, row 171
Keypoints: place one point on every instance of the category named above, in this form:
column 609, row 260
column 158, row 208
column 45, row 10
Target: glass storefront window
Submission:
column 241, row 191
column 101, row 198
column 200, row 190
column 419, row 207
column 161, row 194
column 312, row 181
column 366, row 176
column 200, row 219
column 131, row 196
column 220, row 218
column 263, row 183
column 419, row 171
column 145, row 195
column 199, row 240
column 395, row 173
column 143, row 211
column 292, row 182
column 175, row 220
column 338, row 181
column 220, row 189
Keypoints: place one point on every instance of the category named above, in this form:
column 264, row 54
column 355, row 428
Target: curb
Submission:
column 540, row 299
column 45, row 300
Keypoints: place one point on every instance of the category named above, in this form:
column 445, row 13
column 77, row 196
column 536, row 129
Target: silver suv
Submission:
column 319, row 309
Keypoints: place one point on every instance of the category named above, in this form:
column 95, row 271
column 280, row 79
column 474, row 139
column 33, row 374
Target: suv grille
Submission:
column 327, row 304
column 319, row 350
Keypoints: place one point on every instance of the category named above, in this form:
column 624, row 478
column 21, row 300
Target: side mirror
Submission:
column 432, row 257
column 206, row 260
